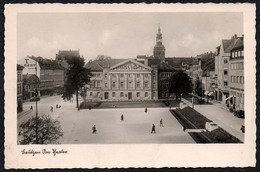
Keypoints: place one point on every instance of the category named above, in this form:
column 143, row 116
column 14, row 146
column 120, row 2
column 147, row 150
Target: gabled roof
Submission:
column 228, row 45
column 133, row 61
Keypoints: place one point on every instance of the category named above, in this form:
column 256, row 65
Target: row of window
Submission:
column 30, row 87
column 237, row 79
column 237, row 65
column 130, row 84
column 121, row 94
column 146, row 75
column 95, row 84
column 239, row 53
column 166, row 74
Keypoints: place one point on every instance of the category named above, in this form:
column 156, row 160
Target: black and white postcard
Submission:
column 129, row 85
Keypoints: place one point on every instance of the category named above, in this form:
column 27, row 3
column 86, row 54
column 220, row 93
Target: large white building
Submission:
column 121, row 79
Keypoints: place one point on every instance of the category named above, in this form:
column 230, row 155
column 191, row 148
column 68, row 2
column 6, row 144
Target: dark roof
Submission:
column 229, row 44
column 98, row 65
column 178, row 62
column 239, row 44
column 47, row 64
column 69, row 53
column 19, row 67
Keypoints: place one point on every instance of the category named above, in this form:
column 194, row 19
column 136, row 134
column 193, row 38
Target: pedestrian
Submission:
column 31, row 108
column 122, row 117
column 94, row 130
column 161, row 123
column 57, row 105
column 153, row 129
column 51, row 109
column 184, row 128
column 78, row 108
column 89, row 108
column 145, row 110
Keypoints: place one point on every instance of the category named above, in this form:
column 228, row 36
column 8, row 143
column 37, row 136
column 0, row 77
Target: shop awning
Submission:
column 228, row 98
column 206, row 93
column 210, row 93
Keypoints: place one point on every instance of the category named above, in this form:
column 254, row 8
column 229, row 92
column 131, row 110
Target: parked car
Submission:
column 242, row 129
column 34, row 99
column 239, row 114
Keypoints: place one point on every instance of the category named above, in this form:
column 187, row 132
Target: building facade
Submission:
column 51, row 74
column 236, row 75
column 19, row 88
column 31, row 82
column 222, row 69
column 120, row 79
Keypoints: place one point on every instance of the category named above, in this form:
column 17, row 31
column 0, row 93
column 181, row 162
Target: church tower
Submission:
column 159, row 49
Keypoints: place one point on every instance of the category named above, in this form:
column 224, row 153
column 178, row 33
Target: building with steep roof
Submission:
column 64, row 56
column 222, row 61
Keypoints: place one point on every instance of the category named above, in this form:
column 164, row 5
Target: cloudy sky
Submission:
column 123, row 35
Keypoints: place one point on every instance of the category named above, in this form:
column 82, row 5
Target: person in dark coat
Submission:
column 184, row 128
column 122, row 117
column 31, row 108
column 94, row 130
column 161, row 123
column 51, row 109
column 145, row 110
column 153, row 129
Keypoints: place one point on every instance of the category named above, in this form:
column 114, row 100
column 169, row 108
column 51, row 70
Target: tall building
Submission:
column 159, row 49
column 19, row 88
column 236, row 75
column 222, row 68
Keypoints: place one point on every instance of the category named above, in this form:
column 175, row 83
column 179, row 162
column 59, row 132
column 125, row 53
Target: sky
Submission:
column 123, row 35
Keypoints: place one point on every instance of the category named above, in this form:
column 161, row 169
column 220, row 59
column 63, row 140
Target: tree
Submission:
column 49, row 130
column 180, row 83
column 103, row 57
column 77, row 77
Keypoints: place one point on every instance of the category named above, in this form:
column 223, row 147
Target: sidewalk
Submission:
column 221, row 116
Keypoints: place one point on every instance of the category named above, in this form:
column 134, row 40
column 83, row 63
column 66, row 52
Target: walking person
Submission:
column 122, row 117
column 153, row 129
column 145, row 110
column 94, row 130
column 161, row 123
column 31, row 108
column 51, row 109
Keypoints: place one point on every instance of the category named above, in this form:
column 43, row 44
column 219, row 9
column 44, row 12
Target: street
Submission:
column 136, row 127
